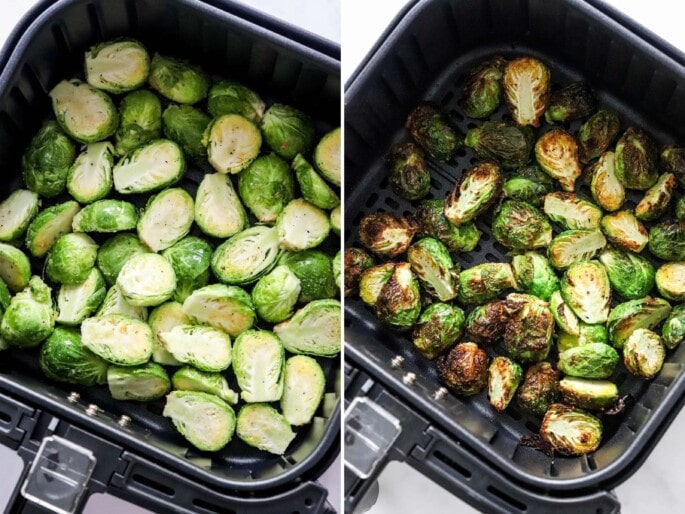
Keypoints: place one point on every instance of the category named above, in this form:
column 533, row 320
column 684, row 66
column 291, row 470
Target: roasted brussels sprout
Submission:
column 47, row 159
column 162, row 319
column 464, row 369
column 302, row 225
column 592, row 360
column 77, row 302
column 631, row 275
column 624, row 231
column 566, row 319
column 439, row 327
column 114, row 303
column 16, row 213
column 262, row 426
column 571, row 431
column 178, row 80
column 190, row 258
column 258, row 363
column 64, row 358
column 327, row 157
column 313, row 330
column 167, row 219
column 29, row 319
column 636, row 159
column 504, row 377
column 526, row 89
column 386, row 234
column 680, row 209
column 586, row 289
column 398, row 304
column 372, row 280
column 534, row 275
column 672, row 160
column 115, row 252
column 478, row 188
column 607, row 189
column 596, row 134
column 314, row 269
column 575, row 246
column 117, row 66
column 570, row 103
column 140, row 116
column 142, row 383
column 629, row 316
column 206, row 348
column 356, row 261
column 588, row 394
column 146, row 280
column 431, row 221
column 232, row 142
column 275, row 294
column 657, row 198
column 673, row 331
column 670, row 281
column 314, row 189
column 667, row 240
column 409, row 177
column 504, row 142
column 48, row 226
column 228, row 308
column 230, row 97
column 528, row 184
column 431, row 129
column 303, row 387
column 432, row 264
column 266, row 187
column 186, row 125
column 218, row 211
column 528, row 332
column 247, row 255
column 287, row 131
column 557, row 154
column 571, row 211
column 106, row 216
column 644, row 353
column 484, row 282
column 483, row 88
column 15, row 268
column 520, row 226
column 539, row 389
column 586, row 334
column 71, row 259
column 190, row 379
column 90, row 177
column 155, row 165
column 121, row 340
column 486, row 323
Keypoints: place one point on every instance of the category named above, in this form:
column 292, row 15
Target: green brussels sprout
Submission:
column 504, row 377
column 529, row 329
column 117, row 66
column 596, row 135
column 29, row 318
column 71, row 259
column 571, row 431
column 206, row 348
column 464, row 369
column 90, row 177
column 114, row 303
column 372, row 280
column 484, row 282
column 409, row 176
column 313, row 330
column 247, row 255
column 680, row 209
column 566, row 319
column 670, row 281
column 191, row 379
column 87, row 114
column 483, row 88
column 167, row 219
column 142, row 383
column 398, row 304
column 218, row 211
column 587, row 334
column 314, row 188
column 15, row 268
column 178, row 80
column 627, row 317
column 335, row 220
column 556, row 152
column 534, row 275
column 186, row 125
column 585, row 287
column 386, row 234
column 48, row 226
column 16, row 213
column 106, row 216
column 432, row 264
column 230, row 97
column 337, row 269
column 636, row 159
column 266, row 187
column 631, row 275
column 570, row 103
column 657, row 198
column 314, row 269
column 526, row 89
column 303, row 387
column 672, row 160
column 191, row 258
column 520, row 226
column 77, row 302
column 431, row 222
column 528, row 184
column 575, row 246
column 119, row 339
column 606, row 188
column 5, row 296
column 327, row 157
column 115, row 251
column 262, row 426
column 478, row 188
column 162, row 319
column 432, row 130
column 667, row 240
column 258, row 364
column 588, row 394
column 46, row 161
column 302, row 225
column 206, row 421
column 486, row 323
column 228, row 308
column 504, row 142
column 624, row 231
column 140, row 115
column 571, row 211
column 539, row 389
column 673, row 330
column 146, row 280
column 592, row 360
column 644, row 353
column 155, row 165
column 275, row 294
column 64, row 358
column 439, row 326
column 287, row 131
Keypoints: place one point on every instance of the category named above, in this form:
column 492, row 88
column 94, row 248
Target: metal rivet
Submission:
column 92, row 409
column 440, row 393
column 409, row 378
column 73, row 397
column 397, row 361
column 124, row 421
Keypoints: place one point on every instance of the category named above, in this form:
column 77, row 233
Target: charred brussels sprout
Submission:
column 539, row 389
column 398, row 304
column 673, row 331
column 526, row 89
column 314, row 188
column 528, row 332
column 624, row 231
column 386, row 234
column 266, row 187
column 528, row 184
column 644, row 353
column 115, row 252
column 64, row 358
column 246, row 256
column 585, row 287
column 631, row 275
column 117, row 66
column 557, row 154
column 287, row 131
column 275, row 294
column 155, row 165
column 572, row 212
column 478, row 188
column 534, row 275
column 570, row 103
column 46, row 161
column 48, row 226
column 191, row 259
column 314, row 270
column 607, row 189
column 313, row 330
column 233, row 142
column 431, row 262
column 575, row 246
column 71, row 259
column 185, row 125
column 680, row 209
column 438, row 328
column 596, row 134
column 486, row 323
column 356, row 261
column 520, row 226
column 30, row 317
column 409, row 177
column 592, row 360
column 670, row 281
column 142, row 383
column 16, row 213
column 657, row 198
column 485, row 282
column 483, row 89
column 566, row 319
column 431, row 221
column 629, row 316
column 504, row 377
column 431, row 129
column 178, row 80
column 372, row 280
column 304, row 384
column 636, row 159
column 140, row 115
column 502, row 141
column 464, row 369
column 672, row 160
column 588, row 394
column 302, row 225
column 667, row 240
column 230, row 97
column 571, row 431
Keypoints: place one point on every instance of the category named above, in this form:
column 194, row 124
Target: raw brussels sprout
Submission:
column 29, row 319
column 206, row 348
column 77, row 302
column 140, row 115
column 431, row 129
column 629, row 316
column 556, row 152
column 539, row 389
column 372, row 280
column 191, row 258
column 486, row 323
column 566, row 319
column 16, row 213
column 587, row 334
column 670, row 281
column 313, row 330
column 155, row 165
column 673, row 331
column 178, row 80
column 636, row 159
column 218, row 211
column 275, row 294
column 64, row 358
column 303, row 387
column 228, row 308
column 71, row 259
column 162, row 319
column 206, row 421
column 596, row 135
column 327, row 157
column 90, row 177
column 337, row 269
column 119, row 339
column 657, row 198
column 478, row 188
column 575, row 246
column 314, row 188
column 504, row 142
column 464, row 369
column 46, row 161
column 586, row 289
column 607, row 189
column 186, row 125
column 667, row 240
column 191, row 379
column 266, row 187
column 631, row 275
column 167, row 219
column 386, row 234
column 432, row 222
column 106, row 216
column 262, row 426
column 570, row 103
column 146, row 280
column 592, row 360
column 534, row 275
column 571, row 431
column 232, row 142
column 15, row 268
column 484, row 282
column 571, row 211
column 5, row 296
column 86, row 114
column 439, row 327
column 335, row 220
column 142, row 383
column 432, row 264
column 504, row 377
column 230, row 97
column 483, row 88
column 258, row 364
column 672, row 160
column 115, row 251
column 644, row 353
column 302, row 225
column 314, row 270
column 48, row 226
column 114, row 303
column 588, row 394
column 247, row 255
column 399, row 301
column 528, row 184
column 520, row 226
column 117, row 66
column 624, row 231
column 526, row 89
column 528, row 332
column 287, row 131
column 409, row 176
column 680, row 209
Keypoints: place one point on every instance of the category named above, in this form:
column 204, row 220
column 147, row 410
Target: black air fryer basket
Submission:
column 85, row 440
column 397, row 409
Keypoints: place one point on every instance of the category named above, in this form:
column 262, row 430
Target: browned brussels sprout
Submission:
column 479, row 187
column 636, row 159
column 574, row 246
column 438, row 328
column 571, row 431
column 534, row 275
column 673, row 331
column 528, row 184
column 607, row 189
column 431, row 129
column 630, row 274
column 502, row 141
column 356, row 261
column 571, row 211
column 483, row 89
column 670, row 281
column 680, row 209
column 596, row 134
column 528, row 333
column 431, row 262
column 629, row 316
column 485, row 282
column 655, row 202
column 667, row 240
column 557, row 154
column 486, row 323
column 592, row 360
column 399, row 301
column 569, row 103
column 464, row 369
column 520, row 226
column 526, row 89
column 372, row 280
column 409, row 177
column 672, row 160
column 624, row 231
column 539, row 389
column 588, row 394
column 504, row 377
column 431, row 222
column 585, row 287
column 386, row 234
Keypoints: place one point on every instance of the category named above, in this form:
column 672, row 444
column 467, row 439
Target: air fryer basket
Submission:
column 153, row 464
column 463, row 442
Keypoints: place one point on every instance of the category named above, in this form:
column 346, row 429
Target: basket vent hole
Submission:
column 515, row 414
column 518, row 505
column 392, row 203
column 490, row 257
column 447, row 98
column 372, row 200
column 308, row 502
column 473, row 160
column 5, row 417
column 461, row 153
column 205, row 505
column 466, row 257
column 532, row 427
column 591, row 462
column 153, row 484
column 452, row 464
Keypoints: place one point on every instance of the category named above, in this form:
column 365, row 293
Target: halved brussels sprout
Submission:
column 15, row 268
column 464, row 369
column 178, row 80
column 206, row 348
column 527, row 89
column 575, row 246
column 5, row 296
column 607, row 189
column 386, row 234
column 571, row 211
column 301, row 225
column 142, row 383
column 356, row 262
column 586, row 289
column 16, row 213
column 588, row 394
column 629, row 316
column 327, row 157
column 673, row 331
column 218, row 211
column 48, row 226
column 226, row 307
column 191, row 258
column 631, row 275
column 399, row 301
column 592, row 360
column 266, row 187
column 486, row 323
column 230, row 97
column 30, row 318
column 432, row 264
column 624, row 231
column 146, row 280
column 155, row 165
column 672, row 160
column 287, row 131
column 314, row 270
column 140, row 123
column 77, row 302
column 371, row 281
column 162, row 319
column 432, row 222
column 275, row 294
column 528, row 184
column 596, row 134
column 670, row 281
column 587, row 334
column 106, row 216
column 118, row 339
column 484, row 282
column 303, row 387
column 478, row 188
column 313, row 330
column 571, row 431
column 117, row 66
column 90, row 177
column 529, row 329
column 680, row 209
column 337, row 269
column 115, row 251
column 520, row 226
column 439, row 327
column 636, row 159
column 644, row 353
column 206, row 421
column 335, row 220
column 483, row 88
column 557, row 154
column 186, row 125
column 570, row 103
column 64, row 358
column 504, row 377
column 114, row 303
column 657, row 198
column 167, row 219
column 534, row 275
column 258, row 364
column 191, row 379
column 71, row 259
column 504, row 142
column 46, row 161
column 563, row 314
column 247, row 255
column 314, row 188
column 539, row 389
column 262, row 426
column 667, row 240
column 232, row 142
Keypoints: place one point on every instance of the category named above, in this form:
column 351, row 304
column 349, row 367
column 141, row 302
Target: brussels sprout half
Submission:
column 673, row 330
column 624, row 231
column 439, row 326
column 670, row 281
column 275, row 294
column 529, row 329
column 230, row 97
column 667, row 240
column 146, row 280
column 29, row 319
column 409, row 176
column 302, row 225
column 571, row 211
column 372, row 280
column 155, row 165
column 266, row 187
column 636, row 159
column 232, row 142
column 556, row 152
column 77, row 302
column 314, row 270
column 587, row 334
column 483, row 88
column 218, row 211
column 520, row 226
column 596, row 135
column 15, row 268
column 106, row 216
column 575, row 246
column 672, row 160
column 644, row 353
column 571, row 431
column 117, row 66
column 228, row 308
column 539, row 389
column 356, row 261
column 64, row 358
column 486, row 323
column 206, row 348
column 432, row 264
column 398, row 304
column 115, row 251
column 71, row 259
column 327, row 157
column 247, row 255
column 162, row 319
column 119, row 339
column 657, row 198
column 464, row 369
column 304, row 384
column 186, row 125
column 528, row 184
column 263, row 427
column 484, row 282
column 314, row 188
column 526, row 89
column 114, row 303
column 386, row 234
column 430, row 220
column 337, row 269
column 140, row 115
column 585, row 287
column 191, row 379
column 606, row 188
column 629, row 316
column 16, row 213
column 534, row 275
column 313, row 329
column 48, row 226
column 335, row 220
column 504, row 377
column 571, row 102
column 178, row 80
column 90, row 177
column 167, row 219
column 478, row 188
column 588, row 394
column 46, row 161
column 504, row 142
column 191, row 259
column 142, row 383
column 287, row 131
column 563, row 314
column 258, row 364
